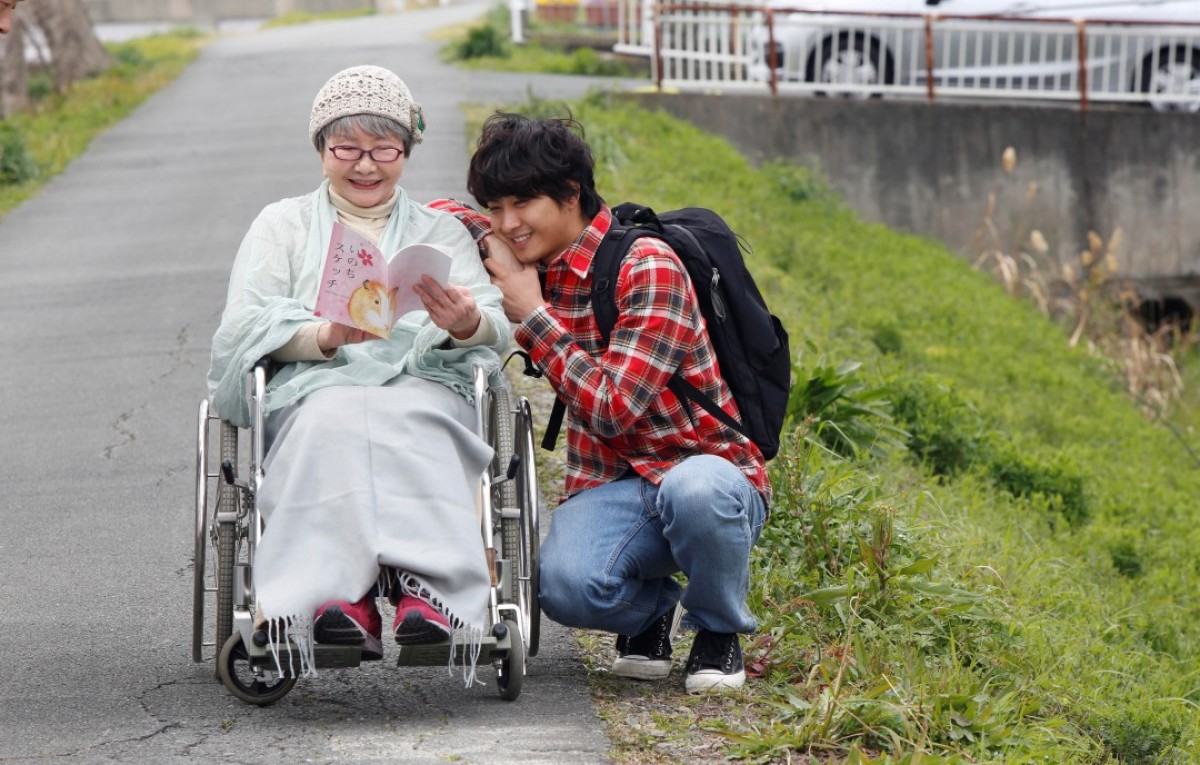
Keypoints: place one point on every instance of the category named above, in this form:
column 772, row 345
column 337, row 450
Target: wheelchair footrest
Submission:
column 326, row 657
column 434, row 654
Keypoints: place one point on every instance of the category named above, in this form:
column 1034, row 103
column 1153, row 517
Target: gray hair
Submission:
column 371, row 124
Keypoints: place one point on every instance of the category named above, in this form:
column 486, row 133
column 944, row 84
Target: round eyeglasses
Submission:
column 378, row 154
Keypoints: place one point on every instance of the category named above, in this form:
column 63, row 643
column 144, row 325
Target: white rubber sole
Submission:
column 714, row 680
column 641, row 668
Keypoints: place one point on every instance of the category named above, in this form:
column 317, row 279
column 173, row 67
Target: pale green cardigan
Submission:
column 273, row 290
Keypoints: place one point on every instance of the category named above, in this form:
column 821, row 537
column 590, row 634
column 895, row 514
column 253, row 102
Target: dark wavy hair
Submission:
column 529, row 157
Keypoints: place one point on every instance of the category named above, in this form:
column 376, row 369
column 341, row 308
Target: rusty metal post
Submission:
column 930, row 92
column 772, row 54
column 1081, row 26
column 658, row 75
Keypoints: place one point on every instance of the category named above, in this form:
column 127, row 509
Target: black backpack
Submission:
column 751, row 344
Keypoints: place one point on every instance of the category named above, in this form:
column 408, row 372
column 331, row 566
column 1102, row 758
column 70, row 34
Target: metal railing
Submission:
column 705, row 45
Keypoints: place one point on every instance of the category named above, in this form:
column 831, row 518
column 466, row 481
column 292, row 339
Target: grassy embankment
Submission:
column 37, row 144
column 980, row 551
column 996, row 569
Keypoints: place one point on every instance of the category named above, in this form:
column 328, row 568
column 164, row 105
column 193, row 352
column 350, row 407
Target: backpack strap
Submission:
column 606, row 264
column 604, row 300
column 685, row 391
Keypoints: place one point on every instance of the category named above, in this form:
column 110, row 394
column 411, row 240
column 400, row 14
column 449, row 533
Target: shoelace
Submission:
column 657, row 644
column 714, row 651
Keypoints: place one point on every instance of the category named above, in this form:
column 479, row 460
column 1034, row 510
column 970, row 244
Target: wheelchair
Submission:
column 228, row 521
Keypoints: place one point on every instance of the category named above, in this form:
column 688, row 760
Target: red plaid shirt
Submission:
column 620, row 413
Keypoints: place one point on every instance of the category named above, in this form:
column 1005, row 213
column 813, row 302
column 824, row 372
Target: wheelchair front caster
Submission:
column 241, row 679
column 510, row 672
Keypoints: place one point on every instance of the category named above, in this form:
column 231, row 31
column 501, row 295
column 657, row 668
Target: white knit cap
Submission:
column 366, row 90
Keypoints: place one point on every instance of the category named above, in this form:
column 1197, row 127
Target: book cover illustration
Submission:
column 360, row 288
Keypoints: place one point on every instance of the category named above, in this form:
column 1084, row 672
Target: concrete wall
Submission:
column 204, row 12
column 929, row 169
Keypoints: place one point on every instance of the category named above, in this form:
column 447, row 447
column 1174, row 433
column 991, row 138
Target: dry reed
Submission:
column 1089, row 296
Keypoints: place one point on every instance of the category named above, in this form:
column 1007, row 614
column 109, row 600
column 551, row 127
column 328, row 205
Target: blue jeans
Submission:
column 608, row 558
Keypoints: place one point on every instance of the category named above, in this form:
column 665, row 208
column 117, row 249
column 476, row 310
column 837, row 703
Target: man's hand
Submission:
column 453, row 309
column 332, row 336
column 519, row 282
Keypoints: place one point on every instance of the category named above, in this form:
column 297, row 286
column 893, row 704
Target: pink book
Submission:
column 359, row 288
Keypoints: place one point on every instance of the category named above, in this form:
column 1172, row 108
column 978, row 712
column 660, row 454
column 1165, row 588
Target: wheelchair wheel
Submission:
column 529, row 498
column 510, row 675
column 238, row 676
column 227, row 538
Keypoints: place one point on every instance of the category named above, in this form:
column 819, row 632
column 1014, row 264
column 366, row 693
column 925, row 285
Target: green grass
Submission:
column 487, row 45
column 1001, row 570
column 292, row 18
column 59, row 126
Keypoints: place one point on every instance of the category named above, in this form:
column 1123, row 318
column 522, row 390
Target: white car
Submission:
column 853, row 47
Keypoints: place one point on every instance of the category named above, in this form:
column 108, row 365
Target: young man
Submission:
column 654, row 485
column 6, row 15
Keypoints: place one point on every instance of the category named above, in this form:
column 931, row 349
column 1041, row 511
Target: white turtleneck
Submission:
column 370, row 222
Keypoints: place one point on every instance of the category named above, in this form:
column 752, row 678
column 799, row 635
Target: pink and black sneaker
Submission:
column 358, row 623
column 419, row 623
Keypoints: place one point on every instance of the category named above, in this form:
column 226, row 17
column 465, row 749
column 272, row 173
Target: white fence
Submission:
column 705, row 45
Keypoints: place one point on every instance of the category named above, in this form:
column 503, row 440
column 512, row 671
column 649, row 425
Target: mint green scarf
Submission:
column 273, row 292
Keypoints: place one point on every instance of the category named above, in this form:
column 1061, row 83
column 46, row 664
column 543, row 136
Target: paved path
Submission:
column 115, row 276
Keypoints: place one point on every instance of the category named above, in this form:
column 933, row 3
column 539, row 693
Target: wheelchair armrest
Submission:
column 269, row 366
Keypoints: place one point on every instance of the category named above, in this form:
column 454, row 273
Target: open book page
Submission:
column 406, row 269
column 359, row 288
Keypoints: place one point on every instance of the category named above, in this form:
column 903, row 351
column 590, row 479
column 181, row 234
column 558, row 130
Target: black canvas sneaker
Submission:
column 646, row 656
column 715, row 663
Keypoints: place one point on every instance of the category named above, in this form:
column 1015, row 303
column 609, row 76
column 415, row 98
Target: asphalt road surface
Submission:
column 114, row 279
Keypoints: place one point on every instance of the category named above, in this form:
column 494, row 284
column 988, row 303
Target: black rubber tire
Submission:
column 237, row 679
column 1181, row 54
column 868, row 47
column 510, row 678
column 227, row 540
column 532, row 598
column 530, row 497
column 500, row 426
column 226, row 550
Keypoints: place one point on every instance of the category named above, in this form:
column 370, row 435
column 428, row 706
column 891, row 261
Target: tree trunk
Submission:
column 14, row 94
column 67, row 26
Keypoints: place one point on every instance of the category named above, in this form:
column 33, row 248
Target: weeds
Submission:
column 833, row 408
column 481, row 42
column 864, row 624
column 1100, row 308
column 16, row 162
column 486, row 46
column 1053, row 485
column 945, row 432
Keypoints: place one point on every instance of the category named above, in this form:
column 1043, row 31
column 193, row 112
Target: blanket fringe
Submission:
column 297, row 630
column 468, row 635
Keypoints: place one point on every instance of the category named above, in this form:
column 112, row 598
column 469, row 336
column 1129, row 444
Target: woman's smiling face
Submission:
column 364, row 182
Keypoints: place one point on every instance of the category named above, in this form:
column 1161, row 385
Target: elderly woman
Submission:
column 373, row 464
